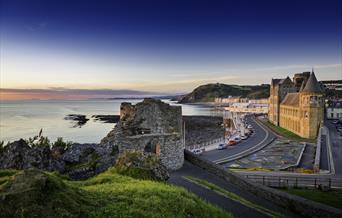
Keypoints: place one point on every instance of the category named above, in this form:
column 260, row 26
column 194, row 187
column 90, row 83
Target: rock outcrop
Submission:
column 150, row 126
column 79, row 161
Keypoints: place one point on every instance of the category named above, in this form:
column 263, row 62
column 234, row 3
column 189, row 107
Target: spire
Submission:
column 312, row 84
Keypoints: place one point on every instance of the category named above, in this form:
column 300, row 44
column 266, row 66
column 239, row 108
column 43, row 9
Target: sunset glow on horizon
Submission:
column 171, row 50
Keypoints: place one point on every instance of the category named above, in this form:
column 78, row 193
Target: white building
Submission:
column 248, row 108
column 334, row 110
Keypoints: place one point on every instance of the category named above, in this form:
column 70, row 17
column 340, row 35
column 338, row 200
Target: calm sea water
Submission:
column 23, row 119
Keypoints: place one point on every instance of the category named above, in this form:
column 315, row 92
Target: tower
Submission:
column 311, row 107
column 278, row 90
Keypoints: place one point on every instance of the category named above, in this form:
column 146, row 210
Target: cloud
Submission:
column 72, row 94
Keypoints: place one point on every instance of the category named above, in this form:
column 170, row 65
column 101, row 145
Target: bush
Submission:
column 60, row 143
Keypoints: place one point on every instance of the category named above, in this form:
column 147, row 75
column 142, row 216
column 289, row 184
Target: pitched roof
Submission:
column 281, row 81
column 275, row 81
column 302, row 86
column 291, row 99
column 312, row 85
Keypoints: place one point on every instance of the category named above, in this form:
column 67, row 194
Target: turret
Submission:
column 311, row 104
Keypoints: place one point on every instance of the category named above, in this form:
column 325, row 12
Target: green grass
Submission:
column 285, row 133
column 332, row 198
column 34, row 193
column 233, row 196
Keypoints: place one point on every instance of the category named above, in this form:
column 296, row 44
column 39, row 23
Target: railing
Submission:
column 205, row 144
column 292, row 181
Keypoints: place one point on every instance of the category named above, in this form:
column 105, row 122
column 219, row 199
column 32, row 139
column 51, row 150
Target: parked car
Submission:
column 198, row 151
column 232, row 142
column 237, row 139
column 244, row 137
column 249, row 126
column 222, row 146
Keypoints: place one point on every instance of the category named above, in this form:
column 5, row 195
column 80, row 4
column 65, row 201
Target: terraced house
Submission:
column 297, row 105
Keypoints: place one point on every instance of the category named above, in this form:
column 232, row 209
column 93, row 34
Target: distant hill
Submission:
column 208, row 92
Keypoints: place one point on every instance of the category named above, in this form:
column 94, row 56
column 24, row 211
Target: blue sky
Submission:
column 166, row 46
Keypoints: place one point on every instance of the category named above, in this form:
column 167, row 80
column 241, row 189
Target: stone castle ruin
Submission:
column 150, row 126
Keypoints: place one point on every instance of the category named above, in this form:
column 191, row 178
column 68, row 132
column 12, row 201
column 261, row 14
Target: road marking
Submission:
column 233, row 157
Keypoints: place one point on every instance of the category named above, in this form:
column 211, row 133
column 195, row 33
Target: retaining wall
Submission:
column 302, row 206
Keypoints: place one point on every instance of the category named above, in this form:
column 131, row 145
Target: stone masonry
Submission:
column 151, row 126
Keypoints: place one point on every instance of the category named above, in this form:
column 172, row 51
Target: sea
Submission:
column 24, row 119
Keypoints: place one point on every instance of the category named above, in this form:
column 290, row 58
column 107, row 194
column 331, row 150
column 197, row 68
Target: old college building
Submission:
column 297, row 105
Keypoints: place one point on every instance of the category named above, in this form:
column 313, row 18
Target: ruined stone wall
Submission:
column 148, row 125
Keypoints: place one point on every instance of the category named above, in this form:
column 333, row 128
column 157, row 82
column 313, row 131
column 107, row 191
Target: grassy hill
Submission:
column 34, row 193
column 208, row 92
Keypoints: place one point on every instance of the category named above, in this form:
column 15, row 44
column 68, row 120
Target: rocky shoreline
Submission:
column 81, row 161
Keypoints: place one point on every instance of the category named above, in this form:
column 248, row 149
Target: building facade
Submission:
column 334, row 110
column 297, row 105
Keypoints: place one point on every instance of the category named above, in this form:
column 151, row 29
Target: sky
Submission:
column 164, row 46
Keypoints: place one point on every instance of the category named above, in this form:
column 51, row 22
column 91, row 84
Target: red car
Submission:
column 232, row 142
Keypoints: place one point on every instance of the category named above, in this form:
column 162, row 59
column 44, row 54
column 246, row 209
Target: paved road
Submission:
column 336, row 142
column 237, row 209
column 258, row 136
column 324, row 154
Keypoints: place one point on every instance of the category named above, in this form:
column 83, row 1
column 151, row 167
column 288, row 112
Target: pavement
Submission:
column 308, row 157
column 336, row 146
column 324, row 154
column 234, row 207
column 259, row 138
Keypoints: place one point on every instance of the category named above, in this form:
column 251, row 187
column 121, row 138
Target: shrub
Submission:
column 60, row 143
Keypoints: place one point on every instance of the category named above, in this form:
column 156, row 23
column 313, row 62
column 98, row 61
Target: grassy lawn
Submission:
column 285, row 133
column 34, row 193
column 332, row 197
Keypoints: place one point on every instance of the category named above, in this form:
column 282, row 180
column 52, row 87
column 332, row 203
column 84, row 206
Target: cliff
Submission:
column 208, row 92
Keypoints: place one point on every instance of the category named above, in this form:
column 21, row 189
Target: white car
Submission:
column 197, row 151
column 237, row 139
column 244, row 137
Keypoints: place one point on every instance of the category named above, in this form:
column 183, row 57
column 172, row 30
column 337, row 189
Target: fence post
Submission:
column 279, row 181
column 296, row 185
column 315, row 182
column 263, row 180
column 329, row 183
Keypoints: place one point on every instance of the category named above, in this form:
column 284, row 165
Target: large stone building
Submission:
column 150, row 126
column 297, row 105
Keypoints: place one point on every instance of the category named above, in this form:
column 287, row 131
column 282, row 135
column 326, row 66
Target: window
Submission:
column 306, row 114
column 332, row 115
